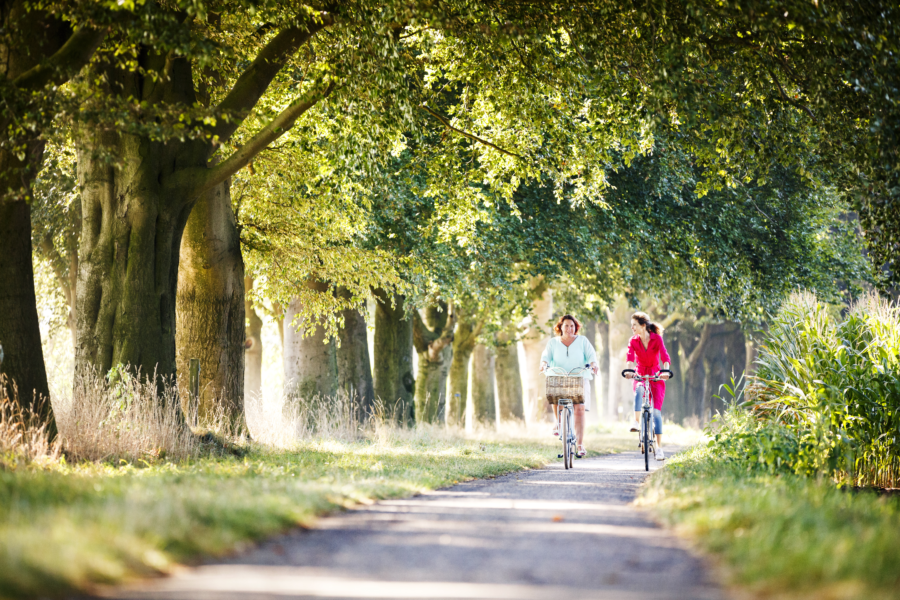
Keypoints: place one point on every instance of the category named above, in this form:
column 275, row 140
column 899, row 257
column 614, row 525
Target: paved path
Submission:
column 547, row 533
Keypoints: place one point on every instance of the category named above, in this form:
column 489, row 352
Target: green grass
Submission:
column 66, row 527
column 782, row 535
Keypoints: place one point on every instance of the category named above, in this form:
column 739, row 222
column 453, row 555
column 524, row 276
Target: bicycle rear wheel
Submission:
column 564, row 434
column 645, row 430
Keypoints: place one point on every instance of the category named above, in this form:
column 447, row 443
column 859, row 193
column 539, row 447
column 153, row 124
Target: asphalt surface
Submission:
column 547, row 533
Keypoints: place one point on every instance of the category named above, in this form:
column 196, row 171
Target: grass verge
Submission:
column 781, row 536
column 65, row 527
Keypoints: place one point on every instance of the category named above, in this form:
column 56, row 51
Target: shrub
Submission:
column 826, row 397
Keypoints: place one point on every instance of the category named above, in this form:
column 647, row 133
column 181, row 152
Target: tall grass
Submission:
column 826, row 398
column 124, row 417
column 24, row 436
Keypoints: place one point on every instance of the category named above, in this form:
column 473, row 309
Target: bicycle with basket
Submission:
column 566, row 389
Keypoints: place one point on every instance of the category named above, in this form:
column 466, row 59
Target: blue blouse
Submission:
column 578, row 354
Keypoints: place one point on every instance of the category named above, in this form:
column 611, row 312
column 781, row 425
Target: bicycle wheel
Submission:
column 571, row 438
column 564, row 434
column 645, row 430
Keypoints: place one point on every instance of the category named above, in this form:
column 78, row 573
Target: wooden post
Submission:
column 194, row 384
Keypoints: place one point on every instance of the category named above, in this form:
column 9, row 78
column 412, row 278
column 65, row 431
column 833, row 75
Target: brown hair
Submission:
column 644, row 319
column 557, row 329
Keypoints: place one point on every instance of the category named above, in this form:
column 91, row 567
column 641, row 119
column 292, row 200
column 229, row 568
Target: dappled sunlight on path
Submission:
column 547, row 533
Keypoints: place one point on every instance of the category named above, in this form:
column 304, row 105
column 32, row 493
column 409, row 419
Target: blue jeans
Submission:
column 655, row 413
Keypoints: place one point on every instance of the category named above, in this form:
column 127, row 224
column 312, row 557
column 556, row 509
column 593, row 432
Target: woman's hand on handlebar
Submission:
column 544, row 365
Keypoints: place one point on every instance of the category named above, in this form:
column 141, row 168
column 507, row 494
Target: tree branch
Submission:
column 193, row 182
column 254, row 81
column 447, row 124
column 65, row 62
column 788, row 100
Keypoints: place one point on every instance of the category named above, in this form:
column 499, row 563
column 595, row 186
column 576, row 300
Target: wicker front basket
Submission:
column 565, row 387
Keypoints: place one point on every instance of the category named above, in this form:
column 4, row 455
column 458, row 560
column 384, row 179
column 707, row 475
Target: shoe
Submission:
column 635, row 426
column 581, row 452
column 660, row 455
column 556, row 429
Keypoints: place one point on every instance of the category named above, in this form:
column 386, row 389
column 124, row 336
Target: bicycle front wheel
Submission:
column 564, row 434
column 646, row 439
column 571, row 438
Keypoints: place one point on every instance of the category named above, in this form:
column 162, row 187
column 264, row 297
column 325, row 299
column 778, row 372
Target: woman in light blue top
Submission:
column 569, row 351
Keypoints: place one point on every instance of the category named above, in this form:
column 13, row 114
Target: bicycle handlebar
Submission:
column 649, row 377
column 560, row 372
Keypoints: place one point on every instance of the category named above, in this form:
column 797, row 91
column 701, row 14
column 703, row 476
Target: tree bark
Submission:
column 432, row 339
column 210, row 306
column 509, row 380
column 393, row 379
column 253, row 346
column 484, row 410
column 20, row 334
column 39, row 53
column 589, row 330
column 354, row 370
column 135, row 211
column 310, row 359
column 534, row 342
column 467, row 330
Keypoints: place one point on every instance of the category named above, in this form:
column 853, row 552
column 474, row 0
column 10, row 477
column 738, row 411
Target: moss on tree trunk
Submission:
column 393, row 379
column 432, row 337
column 353, row 366
column 509, row 380
column 210, row 306
column 484, row 410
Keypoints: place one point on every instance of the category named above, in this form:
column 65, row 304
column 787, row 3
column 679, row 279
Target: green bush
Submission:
column 826, row 397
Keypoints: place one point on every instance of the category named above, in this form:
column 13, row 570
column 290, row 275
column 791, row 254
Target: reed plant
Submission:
column 826, row 397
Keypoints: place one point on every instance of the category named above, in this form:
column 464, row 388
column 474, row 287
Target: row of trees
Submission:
column 443, row 156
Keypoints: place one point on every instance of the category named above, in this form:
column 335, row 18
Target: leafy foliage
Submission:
column 826, row 399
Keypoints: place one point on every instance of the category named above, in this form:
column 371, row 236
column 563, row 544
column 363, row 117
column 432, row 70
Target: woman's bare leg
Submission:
column 579, row 424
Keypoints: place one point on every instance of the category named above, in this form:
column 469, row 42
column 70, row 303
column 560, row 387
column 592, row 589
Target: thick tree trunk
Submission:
column 509, row 380
column 535, row 340
column 210, row 306
column 129, row 254
column 589, row 330
column 432, row 337
column 310, row 360
column 253, row 347
column 20, row 334
column 393, row 379
column 484, row 410
column 354, row 370
column 603, row 374
column 464, row 339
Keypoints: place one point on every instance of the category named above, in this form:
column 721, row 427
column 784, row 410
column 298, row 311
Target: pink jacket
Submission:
column 648, row 362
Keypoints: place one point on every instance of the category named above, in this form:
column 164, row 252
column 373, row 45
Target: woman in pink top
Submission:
column 647, row 349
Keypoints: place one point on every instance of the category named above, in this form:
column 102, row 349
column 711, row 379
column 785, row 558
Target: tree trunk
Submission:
column 467, row 331
column 509, row 380
column 432, row 337
column 484, row 410
column 603, row 374
column 210, row 306
column 253, row 347
column 394, row 383
column 354, row 370
column 20, row 334
column 310, row 360
column 535, row 340
column 589, row 330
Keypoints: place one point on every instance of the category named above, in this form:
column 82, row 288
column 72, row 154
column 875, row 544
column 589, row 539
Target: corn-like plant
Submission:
column 834, row 383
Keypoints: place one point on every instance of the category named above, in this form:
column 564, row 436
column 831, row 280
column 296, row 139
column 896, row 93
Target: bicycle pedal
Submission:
column 559, row 456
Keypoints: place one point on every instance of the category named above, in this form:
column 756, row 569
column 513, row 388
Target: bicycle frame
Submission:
column 566, row 415
column 647, row 434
